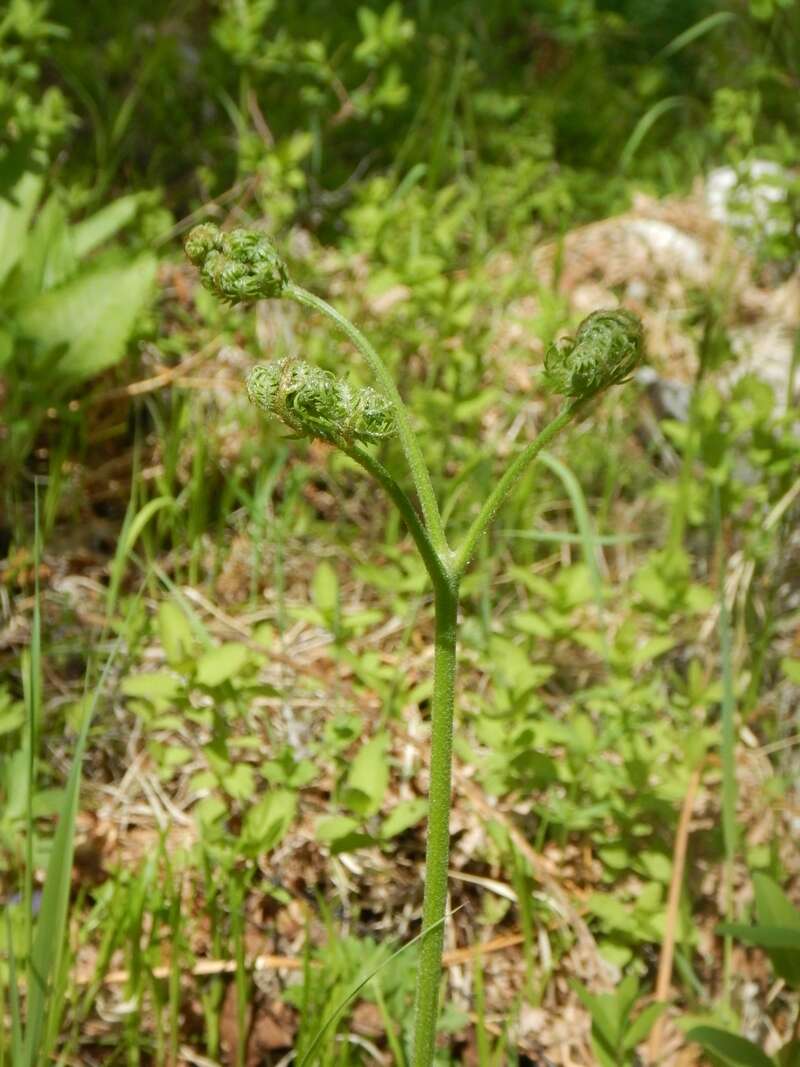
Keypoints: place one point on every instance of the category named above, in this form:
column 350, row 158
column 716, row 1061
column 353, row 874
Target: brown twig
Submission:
column 211, row 968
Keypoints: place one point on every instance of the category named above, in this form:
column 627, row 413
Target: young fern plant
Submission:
column 244, row 266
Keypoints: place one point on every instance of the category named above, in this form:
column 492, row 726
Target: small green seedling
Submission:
column 616, row 1028
column 777, row 932
column 244, row 266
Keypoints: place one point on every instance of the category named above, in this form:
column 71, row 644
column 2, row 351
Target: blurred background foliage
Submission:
column 307, row 98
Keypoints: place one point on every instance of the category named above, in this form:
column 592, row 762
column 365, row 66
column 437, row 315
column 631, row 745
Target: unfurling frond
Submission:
column 239, row 265
column 314, row 403
column 604, row 351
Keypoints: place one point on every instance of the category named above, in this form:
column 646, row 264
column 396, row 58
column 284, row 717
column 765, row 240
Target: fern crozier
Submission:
column 237, row 266
column 314, row 403
column 605, row 351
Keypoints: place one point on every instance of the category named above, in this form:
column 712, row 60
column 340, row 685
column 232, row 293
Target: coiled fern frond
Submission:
column 238, row 265
column 314, row 403
column 605, row 350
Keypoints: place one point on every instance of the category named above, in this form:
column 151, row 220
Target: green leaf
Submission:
column 774, row 908
column 156, row 686
column 15, row 216
column 403, row 816
column 267, row 822
column 12, row 714
column 325, row 589
column 789, row 1055
column 332, row 828
column 368, row 777
column 791, row 669
column 734, row 1051
column 109, row 220
column 49, row 257
column 606, row 1018
column 176, row 634
column 239, row 782
column 769, row 937
column 642, row 1025
column 93, row 315
column 221, row 664
column 699, row 29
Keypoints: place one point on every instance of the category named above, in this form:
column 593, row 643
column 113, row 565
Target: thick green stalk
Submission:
column 416, row 463
column 510, row 477
column 438, row 847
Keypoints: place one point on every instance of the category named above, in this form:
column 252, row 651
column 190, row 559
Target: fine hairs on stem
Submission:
column 243, row 265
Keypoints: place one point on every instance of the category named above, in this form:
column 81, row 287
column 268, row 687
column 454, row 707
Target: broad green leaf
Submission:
column 642, row 1025
column 155, row 686
column 325, row 589
column 604, row 1010
column 176, row 634
column 733, row 1050
column 210, row 810
column 368, row 777
column 12, row 714
column 93, row 315
column 267, row 822
column 332, row 828
column 87, row 235
column 49, row 258
column 774, row 908
column 768, row 937
column 173, row 756
column 15, row 216
column 239, row 781
column 791, row 669
column 403, row 816
column 221, row 664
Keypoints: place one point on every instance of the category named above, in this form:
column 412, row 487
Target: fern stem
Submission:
column 438, row 846
column 411, row 447
column 508, row 481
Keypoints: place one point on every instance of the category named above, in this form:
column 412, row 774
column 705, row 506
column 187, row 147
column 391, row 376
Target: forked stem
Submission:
column 413, row 452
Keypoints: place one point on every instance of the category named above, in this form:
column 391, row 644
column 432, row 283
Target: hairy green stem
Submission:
column 438, row 847
column 411, row 447
column 445, row 586
column 509, row 479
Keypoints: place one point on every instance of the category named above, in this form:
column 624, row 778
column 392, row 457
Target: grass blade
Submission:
column 49, row 938
column 583, row 521
column 16, row 1011
column 337, row 1011
column 644, row 125
column 132, row 528
column 32, row 691
column 727, row 749
column 700, row 29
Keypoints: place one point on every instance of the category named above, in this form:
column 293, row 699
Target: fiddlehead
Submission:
column 238, row 265
column 314, row 403
column 243, row 265
column 606, row 348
